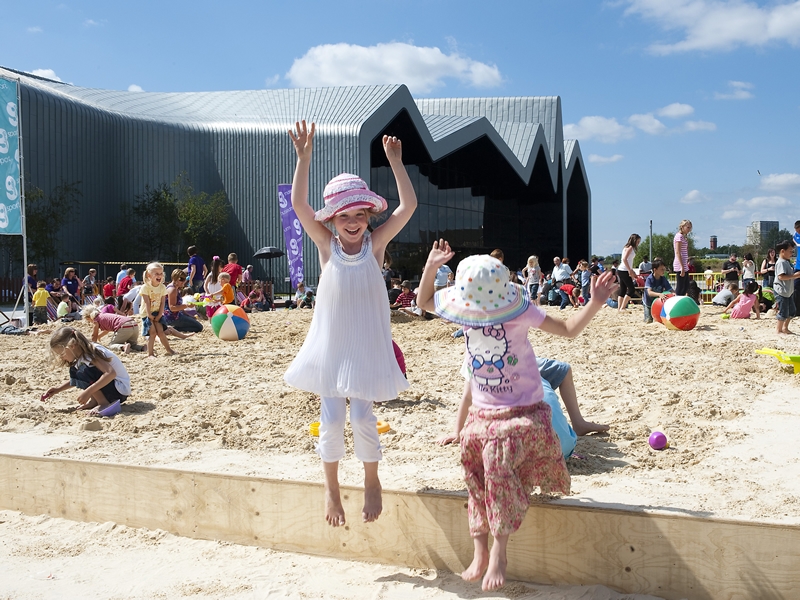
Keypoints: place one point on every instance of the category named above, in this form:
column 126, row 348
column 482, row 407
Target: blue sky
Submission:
column 677, row 104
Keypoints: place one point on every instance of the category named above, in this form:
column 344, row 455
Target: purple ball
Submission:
column 658, row 441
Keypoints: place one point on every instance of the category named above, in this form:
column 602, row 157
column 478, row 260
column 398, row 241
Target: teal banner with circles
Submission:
column 10, row 200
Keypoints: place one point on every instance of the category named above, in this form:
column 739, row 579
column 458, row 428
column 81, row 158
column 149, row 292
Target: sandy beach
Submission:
column 223, row 407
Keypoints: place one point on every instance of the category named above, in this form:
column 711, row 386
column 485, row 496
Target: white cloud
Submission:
column 602, row 129
column 35, row 30
column 46, row 73
column 694, row 197
column 676, row 110
column 604, row 160
column 699, row 126
column 780, row 181
column 763, row 202
column 270, row 81
column 647, row 123
column 718, row 25
column 135, row 88
column 421, row 68
column 733, row 214
column 737, row 90
column 91, row 23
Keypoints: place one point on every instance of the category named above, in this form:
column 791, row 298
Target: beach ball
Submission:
column 656, row 306
column 680, row 312
column 230, row 323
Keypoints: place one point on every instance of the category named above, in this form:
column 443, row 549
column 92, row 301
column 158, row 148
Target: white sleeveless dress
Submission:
column 348, row 350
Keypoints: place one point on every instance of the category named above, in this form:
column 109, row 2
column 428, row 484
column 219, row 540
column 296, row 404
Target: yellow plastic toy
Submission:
column 786, row 359
column 313, row 429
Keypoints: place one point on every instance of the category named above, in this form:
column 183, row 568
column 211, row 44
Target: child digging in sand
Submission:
column 508, row 446
column 348, row 350
column 94, row 369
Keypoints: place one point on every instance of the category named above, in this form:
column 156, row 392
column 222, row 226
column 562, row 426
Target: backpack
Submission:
column 553, row 297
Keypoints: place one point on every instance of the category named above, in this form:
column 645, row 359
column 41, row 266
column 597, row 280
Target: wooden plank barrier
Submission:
column 632, row 552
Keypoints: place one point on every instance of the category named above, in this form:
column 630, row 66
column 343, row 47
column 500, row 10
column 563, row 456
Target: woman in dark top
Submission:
column 768, row 268
column 72, row 284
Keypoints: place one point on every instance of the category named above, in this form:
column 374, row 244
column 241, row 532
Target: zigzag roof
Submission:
column 518, row 126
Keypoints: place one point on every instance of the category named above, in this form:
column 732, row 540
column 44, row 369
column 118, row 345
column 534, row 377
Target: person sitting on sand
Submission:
column 745, row 303
column 655, row 286
column 405, row 299
column 726, row 295
column 558, row 376
column 68, row 309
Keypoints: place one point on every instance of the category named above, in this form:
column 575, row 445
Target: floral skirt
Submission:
column 506, row 453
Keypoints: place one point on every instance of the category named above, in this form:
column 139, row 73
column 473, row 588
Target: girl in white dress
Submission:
column 348, row 350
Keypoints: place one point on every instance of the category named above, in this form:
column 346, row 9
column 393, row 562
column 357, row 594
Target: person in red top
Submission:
column 109, row 288
column 234, row 269
column 126, row 283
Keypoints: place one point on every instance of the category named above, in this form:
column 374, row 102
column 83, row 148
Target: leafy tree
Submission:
column 203, row 216
column 171, row 217
column 155, row 217
column 45, row 215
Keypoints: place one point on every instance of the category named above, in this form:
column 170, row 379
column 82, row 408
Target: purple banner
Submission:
column 292, row 233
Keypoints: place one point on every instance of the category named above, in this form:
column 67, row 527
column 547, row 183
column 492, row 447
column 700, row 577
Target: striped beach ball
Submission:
column 658, row 304
column 680, row 312
column 230, row 323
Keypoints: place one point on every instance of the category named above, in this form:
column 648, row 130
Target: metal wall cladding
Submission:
column 115, row 143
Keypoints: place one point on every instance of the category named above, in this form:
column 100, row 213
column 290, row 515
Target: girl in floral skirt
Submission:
column 508, row 446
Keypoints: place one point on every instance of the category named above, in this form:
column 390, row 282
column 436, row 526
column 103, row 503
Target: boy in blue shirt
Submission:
column 655, row 286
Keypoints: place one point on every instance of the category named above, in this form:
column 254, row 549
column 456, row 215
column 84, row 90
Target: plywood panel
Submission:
column 669, row 556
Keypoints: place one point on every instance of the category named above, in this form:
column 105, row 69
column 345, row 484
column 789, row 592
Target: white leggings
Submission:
column 362, row 421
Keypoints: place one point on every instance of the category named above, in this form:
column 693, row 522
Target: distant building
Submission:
column 712, row 244
column 758, row 229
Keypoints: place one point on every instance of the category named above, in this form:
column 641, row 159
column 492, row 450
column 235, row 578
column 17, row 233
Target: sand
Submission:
column 223, row 407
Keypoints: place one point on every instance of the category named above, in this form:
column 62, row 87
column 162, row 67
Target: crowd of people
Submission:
column 510, row 426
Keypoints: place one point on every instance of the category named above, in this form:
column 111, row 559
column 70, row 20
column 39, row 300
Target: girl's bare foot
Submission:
column 495, row 577
column 480, row 559
column 373, row 503
column 151, row 356
column 334, row 511
column 171, row 353
column 585, row 427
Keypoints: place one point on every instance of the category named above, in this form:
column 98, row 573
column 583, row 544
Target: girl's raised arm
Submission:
column 408, row 198
column 303, row 140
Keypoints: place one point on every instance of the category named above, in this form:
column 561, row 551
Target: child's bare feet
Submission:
column 495, row 577
column 126, row 348
column 373, row 503
column 171, row 353
column 151, row 356
column 480, row 559
column 585, row 427
column 334, row 511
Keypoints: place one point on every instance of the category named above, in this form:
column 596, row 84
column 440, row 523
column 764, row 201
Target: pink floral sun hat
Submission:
column 346, row 192
column 482, row 295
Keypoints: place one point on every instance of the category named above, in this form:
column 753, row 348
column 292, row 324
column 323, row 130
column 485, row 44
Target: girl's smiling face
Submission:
column 351, row 224
column 156, row 277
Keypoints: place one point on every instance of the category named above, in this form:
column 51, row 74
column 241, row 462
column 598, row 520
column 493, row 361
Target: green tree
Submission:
column 203, row 216
column 156, row 221
column 45, row 216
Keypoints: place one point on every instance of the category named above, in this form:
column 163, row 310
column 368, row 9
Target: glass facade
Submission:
column 477, row 202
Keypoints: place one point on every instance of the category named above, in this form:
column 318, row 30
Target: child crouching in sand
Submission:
column 94, row 369
column 508, row 446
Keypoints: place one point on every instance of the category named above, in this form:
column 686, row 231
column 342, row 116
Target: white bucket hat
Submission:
column 482, row 294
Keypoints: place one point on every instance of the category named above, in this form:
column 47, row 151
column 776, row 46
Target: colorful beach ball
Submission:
column 656, row 306
column 680, row 312
column 230, row 323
